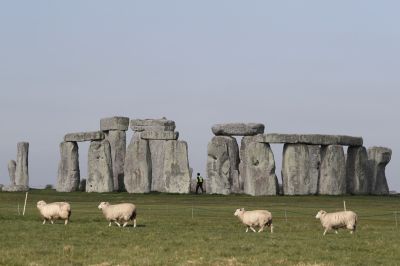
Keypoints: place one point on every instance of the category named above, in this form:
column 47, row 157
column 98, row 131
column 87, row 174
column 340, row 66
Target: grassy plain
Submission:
column 197, row 230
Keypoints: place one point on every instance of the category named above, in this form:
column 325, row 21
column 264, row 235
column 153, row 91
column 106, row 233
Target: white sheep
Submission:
column 54, row 211
column 123, row 212
column 336, row 220
column 260, row 218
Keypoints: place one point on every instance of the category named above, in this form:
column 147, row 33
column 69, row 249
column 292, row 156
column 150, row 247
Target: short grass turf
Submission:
column 197, row 230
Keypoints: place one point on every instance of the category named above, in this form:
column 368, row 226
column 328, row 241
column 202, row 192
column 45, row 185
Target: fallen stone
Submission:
column 15, row 188
column 238, row 129
column 84, row 136
column 257, row 168
column 333, row 171
column 378, row 158
column 137, row 177
column 21, row 171
column 299, row 165
column 117, row 139
column 358, row 173
column 159, row 135
column 100, row 177
column 68, row 168
column 114, row 123
column 176, row 167
column 311, row 139
column 12, row 167
column 222, row 165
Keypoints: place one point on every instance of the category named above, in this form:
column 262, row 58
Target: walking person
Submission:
column 199, row 183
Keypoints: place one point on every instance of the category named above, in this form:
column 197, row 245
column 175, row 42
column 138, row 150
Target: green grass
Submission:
column 168, row 235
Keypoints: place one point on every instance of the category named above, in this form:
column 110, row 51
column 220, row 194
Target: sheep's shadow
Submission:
column 138, row 225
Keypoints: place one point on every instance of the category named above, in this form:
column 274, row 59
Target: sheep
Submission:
column 54, row 211
column 336, row 220
column 123, row 212
column 260, row 218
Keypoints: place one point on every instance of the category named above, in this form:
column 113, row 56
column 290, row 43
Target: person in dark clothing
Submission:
column 199, row 183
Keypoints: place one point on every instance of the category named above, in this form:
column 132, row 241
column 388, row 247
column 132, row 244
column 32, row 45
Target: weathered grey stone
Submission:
column 137, row 177
column 21, row 171
column 257, row 168
column 1, row 187
column 12, row 167
column 68, row 168
column 117, row 139
column 114, row 123
column 153, row 128
column 100, row 177
column 222, row 165
column 315, row 165
column 378, row 158
column 312, row 139
column 358, row 173
column 238, row 129
column 151, row 122
column 176, row 167
column 159, row 135
column 333, row 171
column 157, row 151
column 15, row 188
column 299, row 165
column 84, row 136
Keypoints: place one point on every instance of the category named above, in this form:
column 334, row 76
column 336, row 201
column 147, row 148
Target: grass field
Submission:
column 197, row 230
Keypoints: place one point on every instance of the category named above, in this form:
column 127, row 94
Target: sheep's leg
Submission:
column 254, row 230
column 326, row 230
column 109, row 224
column 261, row 229
column 336, row 232
column 44, row 221
column 247, row 229
column 124, row 224
column 272, row 228
column 134, row 223
column 119, row 225
column 66, row 222
column 52, row 222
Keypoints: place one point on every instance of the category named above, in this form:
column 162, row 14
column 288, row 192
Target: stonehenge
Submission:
column 312, row 164
column 156, row 160
column 18, row 170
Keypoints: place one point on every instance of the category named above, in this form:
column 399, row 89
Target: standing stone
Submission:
column 100, row 177
column 299, row 169
column 117, row 139
column 314, row 152
column 358, row 174
column 222, row 165
column 176, row 167
column 21, row 172
column 137, row 169
column 257, row 168
column 68, row 168
column 378, row 158
column 12, row 166
column 157, row 153
column 333, row 171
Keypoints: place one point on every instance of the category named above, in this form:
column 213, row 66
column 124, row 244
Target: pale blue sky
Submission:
column 297, row 66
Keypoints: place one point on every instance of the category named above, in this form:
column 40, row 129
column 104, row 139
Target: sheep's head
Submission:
column 40, row 203
column 103, row 204
column 319, row 214
column 239, row 212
